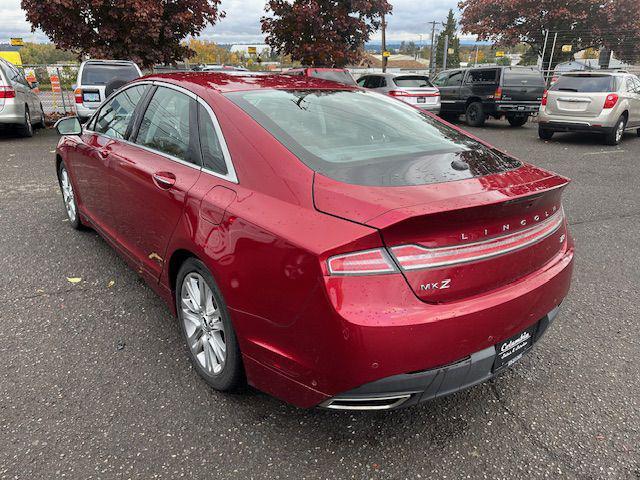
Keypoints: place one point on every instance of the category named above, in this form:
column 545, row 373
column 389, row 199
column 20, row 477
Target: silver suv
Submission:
column 415, row 90
column 97, row 79
column 19, row 105
column 594, row 101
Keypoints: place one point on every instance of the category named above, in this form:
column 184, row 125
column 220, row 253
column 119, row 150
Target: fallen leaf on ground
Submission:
column 74, row 279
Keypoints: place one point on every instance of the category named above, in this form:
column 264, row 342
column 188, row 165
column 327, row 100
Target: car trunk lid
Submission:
column 580, row 95
column 522, row 85
column 459, row 239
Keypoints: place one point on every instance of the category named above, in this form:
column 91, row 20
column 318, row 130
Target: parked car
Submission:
column 482, row 92
column 601, row 102
column 415, row 90
column 340, row 75
column 94, row 76
column 333, row 246
column 20, row 107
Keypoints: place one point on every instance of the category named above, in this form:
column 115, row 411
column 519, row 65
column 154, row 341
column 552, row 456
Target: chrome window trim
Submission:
column 231, row 175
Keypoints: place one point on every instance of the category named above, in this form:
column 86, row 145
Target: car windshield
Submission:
column 102, row 74
column 413, row 81
column 340, row 76
column 365, row 138
column 522, row 77
column 584, row 83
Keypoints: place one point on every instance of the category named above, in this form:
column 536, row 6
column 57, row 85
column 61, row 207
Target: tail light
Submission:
column 366, row 262
column 498, row 94
column 77, row 93
column 415, row 257
column 7, row 92
column 611, row 100
column 544, row 98
column 398, row 93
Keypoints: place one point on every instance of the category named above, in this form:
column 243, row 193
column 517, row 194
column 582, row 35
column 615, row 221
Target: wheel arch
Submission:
column 471, row 100
column 178, row 257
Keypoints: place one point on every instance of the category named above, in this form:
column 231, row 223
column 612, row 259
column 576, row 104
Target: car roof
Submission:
column 596, row 72
column 224, row 83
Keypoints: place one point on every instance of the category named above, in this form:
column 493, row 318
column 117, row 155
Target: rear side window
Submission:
column 412, row 81
column 166, row 125
column 212, row 154
column 102, row 74
column 340, row 76
column 482, row 76
column 455, row 80
column 522, row 78
column 585, row 83
column 116, row 115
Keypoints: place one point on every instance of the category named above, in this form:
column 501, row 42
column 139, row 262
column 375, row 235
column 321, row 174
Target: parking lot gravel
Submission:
column 95, row 381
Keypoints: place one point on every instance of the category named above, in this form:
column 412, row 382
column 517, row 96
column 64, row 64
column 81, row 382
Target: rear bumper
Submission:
column 603, row 123
column 572, row 127
column 516, row 107
column 409, row 389
column 11, row 113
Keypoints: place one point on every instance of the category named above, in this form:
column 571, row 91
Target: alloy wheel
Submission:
column 620, row 131
column 203, row 324
column 67, row 195
column 28, row 127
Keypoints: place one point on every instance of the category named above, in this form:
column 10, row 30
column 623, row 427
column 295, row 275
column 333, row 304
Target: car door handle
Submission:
column 164, row 180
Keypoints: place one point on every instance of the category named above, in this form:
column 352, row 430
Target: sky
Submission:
column 242, row 22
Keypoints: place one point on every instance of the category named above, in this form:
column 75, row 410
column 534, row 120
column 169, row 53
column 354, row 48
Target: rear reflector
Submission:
column 415, row 257
column 398, row 93
column 7, row 92
column 77, row 93
column 544, row 98
column 367, row 262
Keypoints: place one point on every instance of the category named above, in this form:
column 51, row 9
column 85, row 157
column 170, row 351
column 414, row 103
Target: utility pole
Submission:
column 432, row 56
column 553, row 49
column 476, row 60
column 384, row 44
column 419, row 54
column 544, row 50
column 446, row 51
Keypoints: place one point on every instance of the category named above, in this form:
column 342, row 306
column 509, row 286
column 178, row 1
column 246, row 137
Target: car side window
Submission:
column 116, row 115
column 166, row 124
column 636, row 80
column 374, row 82
column 383, row 82
column 362, row 81
column 455, row 79
column 482, row 76
column 441, row 79
column 212, row 153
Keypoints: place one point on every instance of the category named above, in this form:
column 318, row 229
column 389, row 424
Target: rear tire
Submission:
column 475, row 115
column 26, row 130
column 206, row 327
column 614, row 137
column 42, row 123
column 545, row 134
column 517, row 120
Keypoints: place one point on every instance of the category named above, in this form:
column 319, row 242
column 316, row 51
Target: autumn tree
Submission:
column 209, row 52
column 450, row 28
column 146, row 31
column 322, row 32
column 583, row 24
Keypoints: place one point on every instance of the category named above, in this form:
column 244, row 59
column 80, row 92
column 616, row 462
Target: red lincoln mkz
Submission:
column 332, row 246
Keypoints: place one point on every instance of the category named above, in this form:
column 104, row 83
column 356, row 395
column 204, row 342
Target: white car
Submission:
column 94, row 76
column 413, row 89
column 19, row 105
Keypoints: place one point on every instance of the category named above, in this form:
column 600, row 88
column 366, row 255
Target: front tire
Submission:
column 69, row 197
column 475, row 115
column 517, row 120
column 26, row 130
column 614, row 137
column 545, row 134
column 206, row 327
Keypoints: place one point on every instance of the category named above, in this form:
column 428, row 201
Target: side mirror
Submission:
column 68, row 126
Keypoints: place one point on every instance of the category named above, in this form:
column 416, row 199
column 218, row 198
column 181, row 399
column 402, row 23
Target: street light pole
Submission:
column 432, row 56
column 384, row 44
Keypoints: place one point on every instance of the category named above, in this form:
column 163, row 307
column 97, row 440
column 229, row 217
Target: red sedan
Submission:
column 330, row 246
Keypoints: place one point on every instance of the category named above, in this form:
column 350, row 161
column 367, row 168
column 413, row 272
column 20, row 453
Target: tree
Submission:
column 209, row 52
column 453, row 59
column 146, row 31
column 582, row 24
column 322, row 32
column 44, row 53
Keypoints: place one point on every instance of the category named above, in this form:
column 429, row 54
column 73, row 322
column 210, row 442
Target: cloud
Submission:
column 242, row 22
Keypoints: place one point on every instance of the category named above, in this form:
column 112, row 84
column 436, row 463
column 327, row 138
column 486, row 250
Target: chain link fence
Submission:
column 55, row 86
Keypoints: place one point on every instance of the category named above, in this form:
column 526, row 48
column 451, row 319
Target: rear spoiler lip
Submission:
column 481, row 199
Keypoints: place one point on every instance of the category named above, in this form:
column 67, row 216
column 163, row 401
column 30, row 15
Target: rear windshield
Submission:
column 365, row 138
column 413, row 81
column 101, row 74
column 585, row 83
column 519, row 78
column 340, row 76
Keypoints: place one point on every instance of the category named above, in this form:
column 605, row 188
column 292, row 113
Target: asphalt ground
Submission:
column 95, row 381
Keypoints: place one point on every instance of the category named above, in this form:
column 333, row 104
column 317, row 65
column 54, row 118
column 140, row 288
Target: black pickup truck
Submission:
column 481, row 92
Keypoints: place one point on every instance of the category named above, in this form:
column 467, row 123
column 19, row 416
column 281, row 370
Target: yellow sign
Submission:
column 252, row 50
column 386, row 53
column 12, row 57
column 17, row 42
column 567, row 48
column 499, row 54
